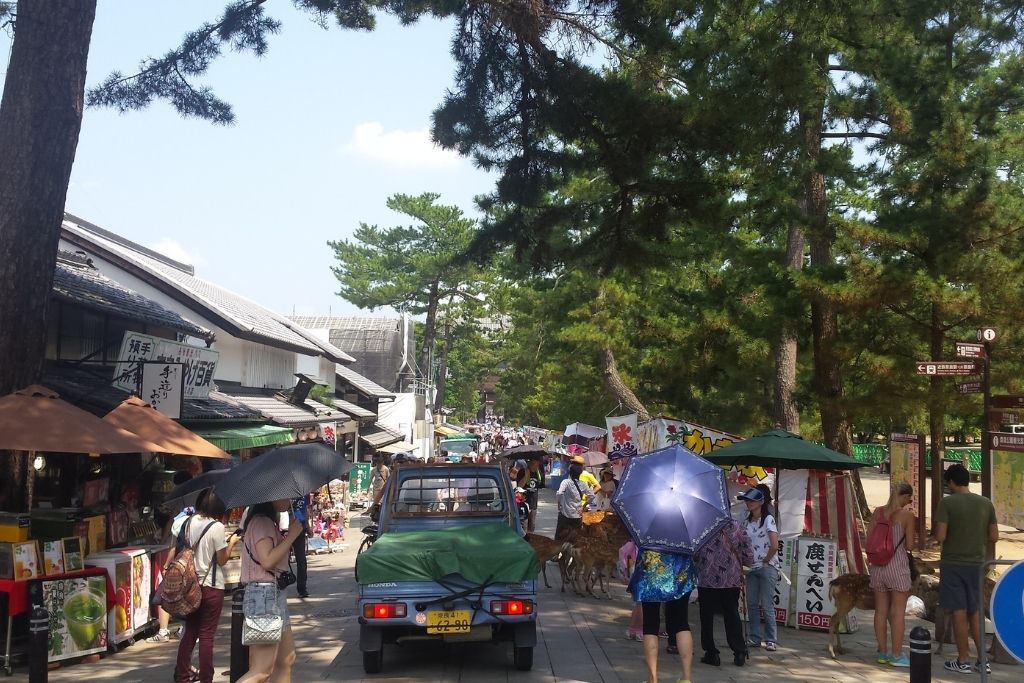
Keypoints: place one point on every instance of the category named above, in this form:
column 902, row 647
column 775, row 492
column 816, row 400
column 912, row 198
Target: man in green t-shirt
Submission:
column 965, row 523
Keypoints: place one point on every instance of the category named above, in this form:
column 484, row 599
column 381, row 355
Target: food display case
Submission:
column 130, row 572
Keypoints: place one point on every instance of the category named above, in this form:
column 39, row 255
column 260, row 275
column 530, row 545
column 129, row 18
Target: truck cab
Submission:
column 449, row 564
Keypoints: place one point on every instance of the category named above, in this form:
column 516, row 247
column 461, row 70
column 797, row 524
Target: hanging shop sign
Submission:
column 197, row 365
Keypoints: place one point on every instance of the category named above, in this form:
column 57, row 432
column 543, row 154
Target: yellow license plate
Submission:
column 450, row 621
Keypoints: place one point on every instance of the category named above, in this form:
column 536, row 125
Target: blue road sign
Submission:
column 1008, row 610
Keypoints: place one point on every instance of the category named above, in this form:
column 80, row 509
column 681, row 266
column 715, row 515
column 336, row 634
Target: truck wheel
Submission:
column 522, row 657
column 373, row 661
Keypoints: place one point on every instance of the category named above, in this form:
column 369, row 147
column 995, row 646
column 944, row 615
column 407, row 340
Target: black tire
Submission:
column 373, row 661
column 522, row 657
column 367, row 542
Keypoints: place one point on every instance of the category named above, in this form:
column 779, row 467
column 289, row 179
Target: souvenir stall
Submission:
column 817, row 517
column 64, row 553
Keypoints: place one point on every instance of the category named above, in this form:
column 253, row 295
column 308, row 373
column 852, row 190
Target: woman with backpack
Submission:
column 764, row 574
column 890, row 536
column 204, row 534
column 264, row 569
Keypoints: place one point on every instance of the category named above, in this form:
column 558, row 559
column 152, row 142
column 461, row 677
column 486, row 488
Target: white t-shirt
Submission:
column 758, row 534
column 569, row 497
column 206, row 551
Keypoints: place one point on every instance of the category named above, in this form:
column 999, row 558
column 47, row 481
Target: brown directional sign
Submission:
column 946, row 368
column 972, row 387
column 1007, row 401
column 1006, row 417
column 970, row 350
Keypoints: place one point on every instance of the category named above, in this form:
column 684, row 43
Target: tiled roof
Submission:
column 365, row 386
column 97, row 395
column 286, row 414
column 354, row 410
column 377, row 435
column 241, row 317
column 327, row 322
column 77, row 281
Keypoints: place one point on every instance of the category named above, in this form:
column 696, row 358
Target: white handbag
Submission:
column 262, row 630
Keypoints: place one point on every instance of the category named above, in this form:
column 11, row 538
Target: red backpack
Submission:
column 880, row 548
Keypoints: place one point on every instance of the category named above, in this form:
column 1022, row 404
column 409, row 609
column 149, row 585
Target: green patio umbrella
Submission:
column 784, row 450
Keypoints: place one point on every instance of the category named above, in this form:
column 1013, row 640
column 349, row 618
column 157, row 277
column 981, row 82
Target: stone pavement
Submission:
column 580, row 639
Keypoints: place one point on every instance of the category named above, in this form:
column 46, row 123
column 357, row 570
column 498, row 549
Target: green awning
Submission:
column 234, row 438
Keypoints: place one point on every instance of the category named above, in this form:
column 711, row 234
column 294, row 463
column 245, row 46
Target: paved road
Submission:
column 581, row 639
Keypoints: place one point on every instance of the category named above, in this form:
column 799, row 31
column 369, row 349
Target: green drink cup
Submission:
column 85, row 615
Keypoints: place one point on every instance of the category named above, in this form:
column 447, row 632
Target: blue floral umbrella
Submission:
column 672, row 500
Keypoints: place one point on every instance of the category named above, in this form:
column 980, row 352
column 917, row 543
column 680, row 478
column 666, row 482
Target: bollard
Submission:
column 239, row 652
column 38, row 645
column 920, row 642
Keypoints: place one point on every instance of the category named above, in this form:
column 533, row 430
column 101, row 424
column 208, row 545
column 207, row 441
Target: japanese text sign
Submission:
column 197, row 365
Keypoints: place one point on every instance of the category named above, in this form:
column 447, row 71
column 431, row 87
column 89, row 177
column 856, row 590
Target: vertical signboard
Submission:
column 783, row 589
column 906, row 463
column 1008, row 477
column 816, row 568
column 163, row 387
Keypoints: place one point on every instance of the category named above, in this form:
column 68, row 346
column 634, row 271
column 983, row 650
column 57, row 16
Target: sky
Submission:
column 329, row 123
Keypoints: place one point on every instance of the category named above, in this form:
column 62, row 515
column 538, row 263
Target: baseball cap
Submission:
column 578, row 460
column 754, row 494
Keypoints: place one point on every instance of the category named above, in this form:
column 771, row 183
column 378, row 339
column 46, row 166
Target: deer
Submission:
column 548, row 549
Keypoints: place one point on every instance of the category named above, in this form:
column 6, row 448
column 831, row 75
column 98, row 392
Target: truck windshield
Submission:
column 459, row 493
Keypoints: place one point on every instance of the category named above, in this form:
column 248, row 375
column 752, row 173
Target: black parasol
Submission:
column 284, row 473
column 525, row 452
column 186, row 493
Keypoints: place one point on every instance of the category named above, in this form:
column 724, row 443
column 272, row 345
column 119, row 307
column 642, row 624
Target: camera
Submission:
column 285, row 579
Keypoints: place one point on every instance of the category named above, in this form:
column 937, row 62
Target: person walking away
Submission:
column 300, row 511
column 204, row 533
column 570, row 504
column 664, row 579
column 264, row 559
column 891, row 582
column 534, row 483
column 719, row 566
column 965, row 523
column 765, row 570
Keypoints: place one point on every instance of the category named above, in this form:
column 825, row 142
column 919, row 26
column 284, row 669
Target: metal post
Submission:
column 920, row 642
column 239, row 652
column 38, row 644
column 983, row 654
column 986, row 448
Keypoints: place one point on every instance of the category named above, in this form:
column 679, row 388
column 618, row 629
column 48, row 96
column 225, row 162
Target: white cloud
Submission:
column 174, row 250
column 399, row 147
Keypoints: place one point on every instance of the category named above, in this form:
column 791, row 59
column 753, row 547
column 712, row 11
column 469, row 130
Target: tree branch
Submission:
column 856, row 134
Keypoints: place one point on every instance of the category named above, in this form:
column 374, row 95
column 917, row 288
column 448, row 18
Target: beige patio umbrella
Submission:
column 142, row 419
column 35, row 419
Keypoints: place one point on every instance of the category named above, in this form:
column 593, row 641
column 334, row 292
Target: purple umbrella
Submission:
column 672, row 500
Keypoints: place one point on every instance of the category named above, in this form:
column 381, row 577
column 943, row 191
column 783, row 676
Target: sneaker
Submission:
column 902, row 661
column 740, row 658
column 161, row 636
column 882, row 657
column 753, row 643
column 711, row 658
column 770, row 646
column 988, row 667
column 959, row 667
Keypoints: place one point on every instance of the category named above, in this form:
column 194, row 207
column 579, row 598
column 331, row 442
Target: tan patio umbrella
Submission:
column 36, row 419
column 139, row 417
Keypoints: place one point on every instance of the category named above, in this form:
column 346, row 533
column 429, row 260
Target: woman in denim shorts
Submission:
column 264, row 557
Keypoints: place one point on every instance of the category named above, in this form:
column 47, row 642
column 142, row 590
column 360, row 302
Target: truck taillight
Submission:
column 512, row 607
column 383, row 610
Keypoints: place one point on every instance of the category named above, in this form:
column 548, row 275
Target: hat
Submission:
column 754, row 494
column 578, row 460
column 520, row 465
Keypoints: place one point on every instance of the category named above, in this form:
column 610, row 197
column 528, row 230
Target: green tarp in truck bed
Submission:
column 477, row 552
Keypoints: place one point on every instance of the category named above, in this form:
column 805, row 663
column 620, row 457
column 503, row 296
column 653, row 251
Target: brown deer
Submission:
column 548, row 549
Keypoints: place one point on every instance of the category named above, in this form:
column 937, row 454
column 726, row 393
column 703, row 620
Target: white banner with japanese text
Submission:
column 162, row 387
column 198, row 365
column 621, row 437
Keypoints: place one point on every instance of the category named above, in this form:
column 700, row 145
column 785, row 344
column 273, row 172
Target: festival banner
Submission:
column 621, row 437
column 1008, row 477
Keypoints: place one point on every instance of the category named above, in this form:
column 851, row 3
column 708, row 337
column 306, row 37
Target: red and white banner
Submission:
column 622, row 437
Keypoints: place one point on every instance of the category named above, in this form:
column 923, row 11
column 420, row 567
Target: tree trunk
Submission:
column 784, row 408
column 828, row 379
column 429, row 332
column 40, row 119
column 442, row 372
column 617, row 387
column 936, row 408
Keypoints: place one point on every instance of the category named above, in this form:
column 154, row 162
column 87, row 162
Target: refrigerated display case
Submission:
column 130, row 573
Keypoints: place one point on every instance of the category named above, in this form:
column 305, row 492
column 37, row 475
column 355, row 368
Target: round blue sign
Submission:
column 1008, row 610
